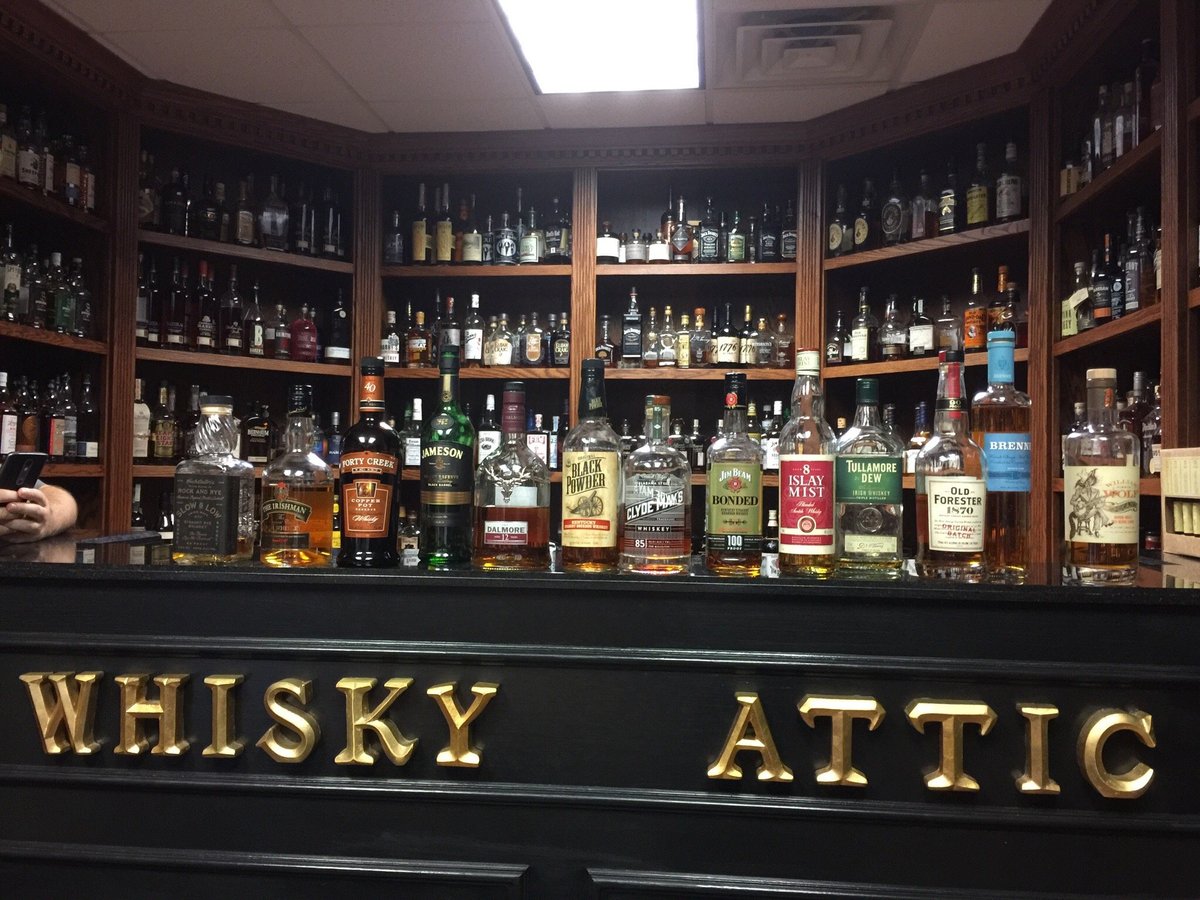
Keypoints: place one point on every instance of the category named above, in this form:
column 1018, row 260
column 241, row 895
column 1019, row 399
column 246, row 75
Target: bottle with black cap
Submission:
column 734, row 530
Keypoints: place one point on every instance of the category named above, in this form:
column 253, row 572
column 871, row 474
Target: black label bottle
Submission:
column 447, row 475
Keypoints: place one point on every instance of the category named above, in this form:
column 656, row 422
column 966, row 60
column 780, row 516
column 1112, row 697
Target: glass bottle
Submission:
column 304, row 336
column 487, row 435
column 243, row 218
column 232, row 336
column 788, row 234
column 473, row 336
column 893, row 335
column 920, row 435
column 560, row 346
column 1001, row 311
column 1101, row 287
column 605, row 350
column 512, row 497
column 656, row 516
column 975, row 316
column 1101, row 469
column 163, row 430
column 608, row 245
column 273, row 219
column 734, row 519
column 806, row 463
column 979, row 192
column 369, row 474
column 447, row 475
column 1151, row 435
column 864, row 332
column 894, row 216
column 920, row 330
column 592, row 474
column 869, row 502
column 783, row 341
column 699, row 340
column 1008, row 187
column 866, row 223
column 923, row 222
column 949, row 210
column 735, row 241
column 631, row 334
column 947, row 330
column 951, row 487
column 410, row 436
column 417, row 344
column 839, row 338
column 214, row 492
column 681, row 236
column 668, row 353
column 297, row 495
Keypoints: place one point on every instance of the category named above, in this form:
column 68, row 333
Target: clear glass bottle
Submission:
column 273, row 225
column 656, row 519
column 297, row 495
column 512, row 497
column 701, row 338
column 951, row 486
column 864, row 332
column 1101, row 470
column 734, row 520
column 869, row 501
column 947, row 330
column 893, row 334
column 591, row 481
column 806, row 463
column 214, row 493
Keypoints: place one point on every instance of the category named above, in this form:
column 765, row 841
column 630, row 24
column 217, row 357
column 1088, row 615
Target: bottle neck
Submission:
column 592, row 403
column 1102, row 405
column 808, row 401
column 866, row 415
column 734, row 420
column 951, row 414
column 1000, row 364
column 449, row 395
column 299, row 435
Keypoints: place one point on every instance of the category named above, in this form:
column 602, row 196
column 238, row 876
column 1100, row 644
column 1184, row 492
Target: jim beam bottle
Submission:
column 447, row 475
column 591, row 481
column 806, row 449
column 734, row 530
column 369, row 473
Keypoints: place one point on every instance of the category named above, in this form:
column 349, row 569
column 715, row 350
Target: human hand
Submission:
column 24, row 515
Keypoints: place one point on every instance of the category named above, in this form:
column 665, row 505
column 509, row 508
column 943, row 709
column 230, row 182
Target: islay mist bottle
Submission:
column 806, row 477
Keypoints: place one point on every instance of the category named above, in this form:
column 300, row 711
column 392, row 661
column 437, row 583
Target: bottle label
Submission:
column 728, row 349
column 859, row 344
column 806, row 503
column 737, row 248
column 529, row 246
column 367, row 486
column 590, row 501
column 412, row 451
column 539, row 446
column 1154, row 466
column 443, row 241
column 505, row 534
column 206, row 514
column 862, row 231
column 29, row 168
column 245, row 227
column 1132, row 285
column 787, row 245
column 868, row 479
column 947, row 213
column 533, row 349
column 487, row 442
column 1008, row 197
column 708, row 244
column 1100, row 504
column 654, row 517
column 890, row 219
column 1008, row 460
column 608, row 246
column 770, row 449
column 977, row 205
column 956, row 513
column 418, row 240
column 447, row 483
column 390, row 350
column 89, row 449
column 284, row 521
column 8, row 156
column 562, row 352
column 8, row 434
column 472, row 247
column 734, row 507
column 920, row 339
column 974, row 328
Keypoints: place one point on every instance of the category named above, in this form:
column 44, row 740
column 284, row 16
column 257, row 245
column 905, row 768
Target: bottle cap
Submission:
column 448, row 361
column 735, row 390
column 300, row 399
column 951, row 356
column 215, row 404
column 1102, row 375
column 512, row 415
column 371, row 365
column 808, row 362
column 998, row 338
column 866, row 391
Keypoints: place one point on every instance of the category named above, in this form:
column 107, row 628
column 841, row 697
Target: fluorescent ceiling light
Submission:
column 582, row 46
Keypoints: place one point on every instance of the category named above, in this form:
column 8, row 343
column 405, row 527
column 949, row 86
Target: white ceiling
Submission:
column 448, row 65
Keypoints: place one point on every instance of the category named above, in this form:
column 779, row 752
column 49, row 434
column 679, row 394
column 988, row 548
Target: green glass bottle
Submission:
column 447, row 475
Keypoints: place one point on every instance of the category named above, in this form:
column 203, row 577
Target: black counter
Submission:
column 607, row 703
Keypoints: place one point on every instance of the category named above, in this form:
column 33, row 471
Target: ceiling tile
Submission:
column 427, row 114
column 382, row 12
column 624, row 109
column 442, row 61
column 165, row 15
column 350, row 113
column 788, row 105
column 960, row 34
column 263, row 65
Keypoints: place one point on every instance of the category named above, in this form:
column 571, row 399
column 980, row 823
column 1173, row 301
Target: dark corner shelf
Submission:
column 1193, row 110
column 74, row 470
column 481, row 372
column 1194, row 298
column 445, row 271
column 1139, row 157
column 921, row 364
column 1147, row 487
column 929, row 245
column 53, row 338
column 48, row 205
column 236, row 251
column 185, row 357
column 1135, row 321
column 640, row 269
column 717, row 373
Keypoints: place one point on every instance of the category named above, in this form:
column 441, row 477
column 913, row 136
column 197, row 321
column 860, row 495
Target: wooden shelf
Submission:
column 13, row 190
column 1135, row 321
column 219, row 360
column 908, row 482
column 693, row 269
column 1147, row 487
column 920, row 364
column 169, row 471
column 1143, row 155
column 73, row 470
column 770, row 479
column 444, row 271
column 929, row 245
column 53, row 338
column 480, row 372
column 1194, row 298
column 237, row 251
column 716, row 373
column 1193, row 110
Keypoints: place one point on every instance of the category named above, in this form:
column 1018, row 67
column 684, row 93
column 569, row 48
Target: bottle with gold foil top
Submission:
column 297, row 488
column 370, row 475
column 592, row 477
column 1101, row 471
column 806, row 449
column 734, row 531
column 447, row 475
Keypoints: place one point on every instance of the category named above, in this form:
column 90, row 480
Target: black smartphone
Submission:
column 21, row 470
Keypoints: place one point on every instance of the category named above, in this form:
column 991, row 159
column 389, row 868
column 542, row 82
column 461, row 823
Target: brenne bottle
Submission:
column 447, row 475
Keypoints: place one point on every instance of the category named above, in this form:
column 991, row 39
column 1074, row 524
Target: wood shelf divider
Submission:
column 929, row 245
column 920, row 364
column 1194, row 298
column 237, row 251
column 53, row 338
column 74, row 470
column 1141, row 155
column 444, row 271
column 1135, row 321
column 220, row 360
column 14, row 190
column 695, row 269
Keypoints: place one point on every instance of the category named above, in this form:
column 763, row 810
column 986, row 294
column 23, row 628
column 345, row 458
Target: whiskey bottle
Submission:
column 656, row 518
column 1101, row 468
column 866, row 236
column 806, row 463
column 605, row 349
column 893, row 335
column 783, row 344
column 141, row 425
column 591, row 481
column 393, row 242
column 389, row 348
column 443, row 230
column 839, row 337
column 1000, row 415
column 560, row 345
column 949, row 210
column 1008, row 187
column 1151, row 434
column 734, row 521
column 979, row 192
column 369, row 474
column 410, row 436
column 1001, row 313
column 920, row 330
column 746, row 339
column 472, row 336
column 650, row 340
column 447, row 475
column 204, row 337
column 708, row 236
column 727, row 342
column 788, row 241
column 273, row 230
column 951, row 487
column 631, row 334
column 304, row 337
column 868, row 498
column 1101, row 286
column 923, row 221
column 768, row 235
column 416, row 344
column 735, row 241
column 681, row 234
column 448, row 328
column 297, row 495
column 698, row 341
column 231, row 316
column 512, row 497
column 894, row 217
column 258, row 436
column 487, row 434
column 163, row 429
column 254, row 326
column 920, row 435
column 975, row 316
column 864, row 332
column 421, row 245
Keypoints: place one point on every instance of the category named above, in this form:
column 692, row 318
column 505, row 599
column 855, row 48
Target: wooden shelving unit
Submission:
column 1144, row 155
column 921, row 364
column 52, row 338
column 73, row 470
column 485, row 372
column 640, row 270
column 1135, row 321
column 708, row 374
column 168, row 471
column 444, row 271
column 220, row 360
column 1194, row 298
column 237, row 251
column 929, row 245
column 36, row 200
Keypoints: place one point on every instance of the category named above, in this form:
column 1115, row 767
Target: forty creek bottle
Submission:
column 1101, row 472
column 591, row 481
column 806, row 477
column 734, row 530
column 656, row 519
column 869, row 501
column 951, row 486
column 370, row 472
column 297, row 487
column 447, row 475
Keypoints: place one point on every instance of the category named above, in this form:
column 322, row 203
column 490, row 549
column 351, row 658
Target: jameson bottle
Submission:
column 369, row 471
column 806, row 477
column 734, row 531
column 591, row 481
column 447, row 475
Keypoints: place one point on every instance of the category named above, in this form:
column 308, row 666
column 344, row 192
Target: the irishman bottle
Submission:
column 447, row 476
column 370, row 469
column 734, row 531
column 591, row 481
